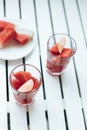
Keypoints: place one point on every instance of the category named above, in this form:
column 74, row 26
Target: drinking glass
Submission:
column 25, row 80
column 57, row 63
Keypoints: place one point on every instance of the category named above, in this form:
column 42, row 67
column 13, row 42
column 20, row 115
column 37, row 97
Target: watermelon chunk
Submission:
column 22, row 38
column 22, row 76
column 36, row 83
column 66, row 53
column 3, row 24
column 16, row 83
column 54, row 49
column 7, row 29
column 6, row 35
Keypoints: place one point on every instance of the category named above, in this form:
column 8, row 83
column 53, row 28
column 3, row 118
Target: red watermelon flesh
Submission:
column 54, row 49
column 22, row 76
column 16, row 83
column 9, row 31
column 7, row 34
column 22, row 38
column 36, row 83
column 66, row 53
column 4, row 24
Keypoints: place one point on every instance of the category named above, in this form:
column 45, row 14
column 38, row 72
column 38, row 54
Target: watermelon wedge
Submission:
column 54, row 49
column 7, row 34
column 23, row 38
column 11, row 31
column 66, row 53
column 16, row 83
column 4, row 24
column 36, row 83
column 22, row 76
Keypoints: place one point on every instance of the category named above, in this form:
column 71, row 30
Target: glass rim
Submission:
column 28, row 92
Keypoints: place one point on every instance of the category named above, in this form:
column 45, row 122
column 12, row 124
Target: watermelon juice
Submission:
column 60, row 49
column 25, row 80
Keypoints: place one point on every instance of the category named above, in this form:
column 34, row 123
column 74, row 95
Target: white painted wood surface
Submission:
column 61, row 102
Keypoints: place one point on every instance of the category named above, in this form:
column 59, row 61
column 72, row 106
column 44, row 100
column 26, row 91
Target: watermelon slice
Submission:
column 66, row 53
column 7, row 34
column 10, row 31
column 16, row 83
column 22, row 76
column 54, row 49
column 23, row 38
column 4, row 24
column 36, row 83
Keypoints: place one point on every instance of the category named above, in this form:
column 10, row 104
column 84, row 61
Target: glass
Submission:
column 59, row 58
column 25, row 80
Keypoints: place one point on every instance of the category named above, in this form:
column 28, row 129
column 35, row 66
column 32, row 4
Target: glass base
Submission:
column 54, row 73
column 24, row 105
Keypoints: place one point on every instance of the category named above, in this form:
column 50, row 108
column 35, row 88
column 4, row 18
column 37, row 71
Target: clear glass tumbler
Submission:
column 60, row 49
column 25, row 80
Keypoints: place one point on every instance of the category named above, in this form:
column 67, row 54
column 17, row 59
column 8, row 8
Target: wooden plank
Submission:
column 18, row 118
column 3, row 98
column 69, row 83
column 52, row 86
column 81, row 63
column 58, row 16
column 3, row 95
column 12, row 9
column 83, row 17
column 1, row 8
column 81, row 6
column 37, row 110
